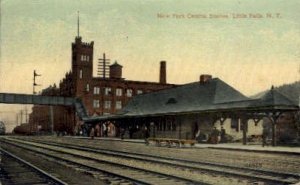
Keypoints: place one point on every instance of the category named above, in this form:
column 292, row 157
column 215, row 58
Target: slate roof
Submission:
column 213, row 95
column 186, row 98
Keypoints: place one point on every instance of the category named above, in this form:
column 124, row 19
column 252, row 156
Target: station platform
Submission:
column 250, row 147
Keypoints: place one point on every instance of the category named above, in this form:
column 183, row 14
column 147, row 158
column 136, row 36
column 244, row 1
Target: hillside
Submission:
column 292, row 91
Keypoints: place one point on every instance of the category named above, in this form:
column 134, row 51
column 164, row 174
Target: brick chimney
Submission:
column 204, row 78
column 162, row 73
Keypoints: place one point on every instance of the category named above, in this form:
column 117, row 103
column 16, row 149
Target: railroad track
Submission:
column 15, row 170
column 93, row 165
column 251, row 174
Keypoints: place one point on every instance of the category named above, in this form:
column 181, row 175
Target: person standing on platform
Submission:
column 92, row 133
column 198, row 136
column 265, row 134
column 122, row 132
column 104, row 129
column 223, row 134
column 97, row 130
column 215, row 136
column 146, row 132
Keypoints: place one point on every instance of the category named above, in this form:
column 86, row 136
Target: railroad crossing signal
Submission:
column 34, row 83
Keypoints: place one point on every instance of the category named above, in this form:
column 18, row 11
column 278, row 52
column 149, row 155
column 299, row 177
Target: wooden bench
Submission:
column 170, row 142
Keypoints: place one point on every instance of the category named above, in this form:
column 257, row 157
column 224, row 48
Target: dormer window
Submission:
column 171, row 101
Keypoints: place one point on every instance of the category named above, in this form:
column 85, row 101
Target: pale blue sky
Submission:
column 249, row 54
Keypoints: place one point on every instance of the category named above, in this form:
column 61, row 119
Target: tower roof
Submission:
column 116, row 64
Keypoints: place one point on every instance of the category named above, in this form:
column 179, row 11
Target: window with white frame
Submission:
column 107, row 104
column 96, row 90
column 96, row 103
column 87, row 87
column 80, row 73
column 139, row 92
column 118, row 104
column 107, row 91
column 129, row 92
column 118, row 92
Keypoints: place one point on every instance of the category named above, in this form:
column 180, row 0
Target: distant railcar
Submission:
column 2, row 128
column 22, row 129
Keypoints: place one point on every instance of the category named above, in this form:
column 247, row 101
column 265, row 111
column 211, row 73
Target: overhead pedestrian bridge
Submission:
column 11, row 98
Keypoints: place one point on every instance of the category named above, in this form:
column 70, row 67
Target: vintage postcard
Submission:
column 149, row 92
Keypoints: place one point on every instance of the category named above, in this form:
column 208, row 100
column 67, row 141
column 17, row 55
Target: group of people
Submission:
column 142, row 131
column 108, row 129
column 218, row 136
column 103, row 130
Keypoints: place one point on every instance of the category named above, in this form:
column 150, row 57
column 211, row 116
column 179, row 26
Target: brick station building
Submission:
column 101, row 95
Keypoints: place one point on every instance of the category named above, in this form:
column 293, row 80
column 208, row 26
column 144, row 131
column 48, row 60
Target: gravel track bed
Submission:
column 195, row 175
column 265, row 161
column 248, row 173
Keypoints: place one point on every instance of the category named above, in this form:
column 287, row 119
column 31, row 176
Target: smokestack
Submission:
column 162, row 73
column 205, row 77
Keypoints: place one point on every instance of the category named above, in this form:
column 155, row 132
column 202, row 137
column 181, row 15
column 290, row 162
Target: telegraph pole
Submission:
column 103, row 66
column 26, row 114
column 21, row 113
column 17, row 119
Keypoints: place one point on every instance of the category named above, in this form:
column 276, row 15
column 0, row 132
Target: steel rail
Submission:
column 137, row 182
column 124, row 154
column 47, row 176
column 140, row 157
column 223, row 172
column 163, row 175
